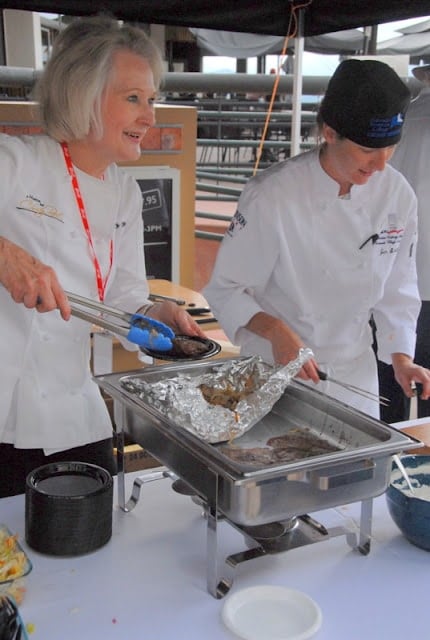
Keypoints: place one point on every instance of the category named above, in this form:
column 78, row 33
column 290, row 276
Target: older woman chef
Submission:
column 71, row 219
column 324, row 240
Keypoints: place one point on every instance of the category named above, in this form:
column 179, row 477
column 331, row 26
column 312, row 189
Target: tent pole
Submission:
column 373, row 43
column 297, row 86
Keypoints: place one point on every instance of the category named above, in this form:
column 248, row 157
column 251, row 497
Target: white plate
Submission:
column 271, row 613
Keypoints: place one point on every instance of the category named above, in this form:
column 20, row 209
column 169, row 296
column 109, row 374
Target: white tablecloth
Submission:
column 149, row 581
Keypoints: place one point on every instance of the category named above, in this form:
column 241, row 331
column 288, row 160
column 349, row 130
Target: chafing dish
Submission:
column 357, row 468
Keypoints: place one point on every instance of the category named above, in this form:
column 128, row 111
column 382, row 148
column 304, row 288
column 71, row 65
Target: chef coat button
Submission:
column 46, row 337
column 43, row 395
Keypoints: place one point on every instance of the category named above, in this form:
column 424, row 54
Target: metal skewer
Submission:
column 156, row 296
column 362, row 392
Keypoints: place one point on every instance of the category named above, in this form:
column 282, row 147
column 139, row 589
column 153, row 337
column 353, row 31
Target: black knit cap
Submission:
column 366, row 102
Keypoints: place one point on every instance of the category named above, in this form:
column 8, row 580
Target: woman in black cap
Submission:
column 323, row 241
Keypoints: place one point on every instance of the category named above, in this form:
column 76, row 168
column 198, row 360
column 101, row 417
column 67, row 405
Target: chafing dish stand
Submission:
column 220, row 571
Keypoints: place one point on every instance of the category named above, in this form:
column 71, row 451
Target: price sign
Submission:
column 151, row 200
column 157, row 220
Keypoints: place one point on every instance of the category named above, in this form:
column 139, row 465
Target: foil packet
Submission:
column 249, row 386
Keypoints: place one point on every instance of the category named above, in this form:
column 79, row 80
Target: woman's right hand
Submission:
column 286, row 343
column 31, row 282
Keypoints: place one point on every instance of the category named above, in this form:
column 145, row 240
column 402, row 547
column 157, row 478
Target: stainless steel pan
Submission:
column 252, row 494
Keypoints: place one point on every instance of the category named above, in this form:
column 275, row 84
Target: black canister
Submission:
column 68, row 508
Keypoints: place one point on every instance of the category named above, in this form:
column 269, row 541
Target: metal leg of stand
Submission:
column 140, row 480
column 218, row 586
column 365, row 526
column 307, row 531
column 150, row 476
column 120, row 440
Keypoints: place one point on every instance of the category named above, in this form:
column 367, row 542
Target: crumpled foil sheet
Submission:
column 180, row 400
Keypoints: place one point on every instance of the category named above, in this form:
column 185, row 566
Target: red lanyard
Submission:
column 101, row 284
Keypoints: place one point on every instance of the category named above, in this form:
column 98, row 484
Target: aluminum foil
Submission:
column 180, row 398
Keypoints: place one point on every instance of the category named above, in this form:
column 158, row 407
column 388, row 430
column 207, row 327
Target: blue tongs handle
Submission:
column 139, row 329
column 150, row 333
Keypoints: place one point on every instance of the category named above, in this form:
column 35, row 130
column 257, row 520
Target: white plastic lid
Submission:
column 271, row 613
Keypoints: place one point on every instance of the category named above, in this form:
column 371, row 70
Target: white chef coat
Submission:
column 293, row 251
column 412, row 159
column 47, row 397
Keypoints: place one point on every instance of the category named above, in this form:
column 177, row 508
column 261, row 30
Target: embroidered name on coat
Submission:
column 34, row 205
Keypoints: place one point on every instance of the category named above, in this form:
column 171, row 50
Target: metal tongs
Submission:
column 142, row 330
column 362, row 392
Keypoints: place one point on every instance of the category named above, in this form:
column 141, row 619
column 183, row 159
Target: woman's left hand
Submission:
column 175, row 317
column 407, row 372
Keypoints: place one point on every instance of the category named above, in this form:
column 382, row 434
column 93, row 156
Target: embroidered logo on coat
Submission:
column 390, row 238
column 237, row 222
column 34, row 205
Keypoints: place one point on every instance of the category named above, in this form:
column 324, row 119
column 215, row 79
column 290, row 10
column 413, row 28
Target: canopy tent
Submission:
column 245, row 45
column 414, row 41
column 272, row 17
column 253, row 16
column 417, row 27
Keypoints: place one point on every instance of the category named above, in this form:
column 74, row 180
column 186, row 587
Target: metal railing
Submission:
column 229, row 138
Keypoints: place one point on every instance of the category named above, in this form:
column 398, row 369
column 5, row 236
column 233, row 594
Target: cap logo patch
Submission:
column 385, row 127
